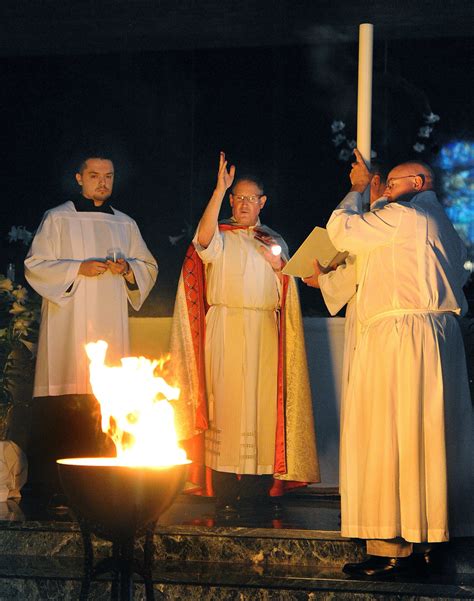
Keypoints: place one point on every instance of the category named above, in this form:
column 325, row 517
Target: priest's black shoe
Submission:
column 380, row 567
column 58, row 503
column 435, row 561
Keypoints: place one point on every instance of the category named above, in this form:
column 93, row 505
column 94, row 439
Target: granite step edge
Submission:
column 245, row 545
column 199, row 576
column 174, row 545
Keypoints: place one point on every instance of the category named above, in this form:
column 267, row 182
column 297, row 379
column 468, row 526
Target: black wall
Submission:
column 164, row 116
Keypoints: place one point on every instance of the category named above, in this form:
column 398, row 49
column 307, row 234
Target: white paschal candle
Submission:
column 364, row 107
column 364, row 94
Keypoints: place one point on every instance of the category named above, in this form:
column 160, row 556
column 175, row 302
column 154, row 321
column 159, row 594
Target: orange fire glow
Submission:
column 135, row 410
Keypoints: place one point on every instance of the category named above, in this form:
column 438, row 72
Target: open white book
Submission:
column 316, row 246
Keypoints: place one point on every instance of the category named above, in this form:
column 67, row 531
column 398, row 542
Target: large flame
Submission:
column 135, row 409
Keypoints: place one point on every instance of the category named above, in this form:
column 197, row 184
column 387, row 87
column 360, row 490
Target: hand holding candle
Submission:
column 274, row 260
column 113, row 254
column 360, row 176
column 271, row 251
column 118, row 267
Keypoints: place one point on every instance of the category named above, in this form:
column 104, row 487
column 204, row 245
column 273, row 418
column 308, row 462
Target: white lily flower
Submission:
column 17, row 308
column 425, row 131
column 337, row 126
column 21, row 294
column 431, row 118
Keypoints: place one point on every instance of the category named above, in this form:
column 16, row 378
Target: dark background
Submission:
column 164, row 89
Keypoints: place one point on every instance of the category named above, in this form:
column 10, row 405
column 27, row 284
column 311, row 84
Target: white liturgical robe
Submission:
column 78, row 309
column 338, row 288
column 241, row 354
column 407, row 432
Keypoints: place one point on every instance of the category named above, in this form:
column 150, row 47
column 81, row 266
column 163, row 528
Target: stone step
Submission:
column 199, row 556
column 35, row 578
column 261, row 546
column 252, row 546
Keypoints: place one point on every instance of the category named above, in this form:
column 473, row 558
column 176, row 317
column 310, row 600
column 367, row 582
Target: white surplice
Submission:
column 78, row 309
column 407, row 432
column 241, row 353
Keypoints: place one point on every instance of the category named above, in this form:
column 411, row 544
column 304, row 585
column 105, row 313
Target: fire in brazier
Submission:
column 135, row 409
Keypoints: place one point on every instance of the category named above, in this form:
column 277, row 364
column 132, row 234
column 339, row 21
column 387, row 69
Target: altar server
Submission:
column 88, row 261
column 406, row 472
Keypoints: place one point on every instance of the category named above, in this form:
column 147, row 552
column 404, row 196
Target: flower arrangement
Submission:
column 18, row 233
column 345, row 146
column 19, row 327
column 425, row 131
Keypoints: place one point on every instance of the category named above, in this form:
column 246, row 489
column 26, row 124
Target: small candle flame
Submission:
column 276, row 249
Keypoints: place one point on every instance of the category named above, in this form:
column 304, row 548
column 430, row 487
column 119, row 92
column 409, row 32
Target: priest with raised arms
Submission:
column 88, row 261
column 238, row 347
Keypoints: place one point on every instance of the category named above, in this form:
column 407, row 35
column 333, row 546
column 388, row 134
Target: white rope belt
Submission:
column 246, row 308
column 404, row 312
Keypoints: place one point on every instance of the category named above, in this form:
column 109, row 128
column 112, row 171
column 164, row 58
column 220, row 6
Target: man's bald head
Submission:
column 418, row 167
column 407, row 179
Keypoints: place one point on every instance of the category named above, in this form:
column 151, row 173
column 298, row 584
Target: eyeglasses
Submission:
column 392, row 179
column 251, row 199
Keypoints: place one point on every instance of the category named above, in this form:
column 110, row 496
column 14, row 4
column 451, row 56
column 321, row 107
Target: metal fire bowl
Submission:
column 117, row 502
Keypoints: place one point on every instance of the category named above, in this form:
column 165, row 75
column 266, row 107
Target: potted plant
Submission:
column 19, row 326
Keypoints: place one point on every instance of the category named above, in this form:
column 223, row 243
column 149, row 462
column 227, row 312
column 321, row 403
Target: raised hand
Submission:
column 360, row 175
column 208, row 223
column 224, row 177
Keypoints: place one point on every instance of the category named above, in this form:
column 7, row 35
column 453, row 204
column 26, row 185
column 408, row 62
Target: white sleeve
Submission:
column 339, row 286
column 213, row 250
column 51, row 276
column 144, row 267
column 354, row 231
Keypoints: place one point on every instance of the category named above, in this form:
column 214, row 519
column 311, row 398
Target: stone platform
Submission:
column 296, row 553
